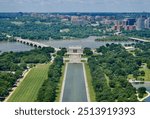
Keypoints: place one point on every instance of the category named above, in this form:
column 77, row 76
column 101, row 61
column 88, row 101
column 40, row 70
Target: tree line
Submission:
column 142, row 33
column 48, row 90
column 113, row 38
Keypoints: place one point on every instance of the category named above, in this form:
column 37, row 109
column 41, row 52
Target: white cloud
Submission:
column 74, row 5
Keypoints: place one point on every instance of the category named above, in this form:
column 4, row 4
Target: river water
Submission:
column 14, row 46
column 86, row 42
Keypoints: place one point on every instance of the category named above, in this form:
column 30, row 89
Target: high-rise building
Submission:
column 129, row 22
column 140, row 23
column 147, row 23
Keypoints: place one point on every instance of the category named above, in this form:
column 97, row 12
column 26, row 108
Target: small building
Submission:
column 129, row 48
column 75, row 54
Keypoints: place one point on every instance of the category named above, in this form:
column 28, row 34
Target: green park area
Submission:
column 146, row 77
column 28, row 89
column 147, row 73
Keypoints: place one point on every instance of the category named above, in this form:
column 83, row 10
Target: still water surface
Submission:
column 14, row 46
column 146, row 85
column 86, row 42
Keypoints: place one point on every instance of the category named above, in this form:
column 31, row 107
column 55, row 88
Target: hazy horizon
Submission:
column 74, row 6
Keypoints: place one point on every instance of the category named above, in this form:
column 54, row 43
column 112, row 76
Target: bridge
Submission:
column 31, row 43
column 139, row 40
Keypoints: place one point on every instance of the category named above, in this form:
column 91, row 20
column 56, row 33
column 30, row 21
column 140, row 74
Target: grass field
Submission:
column 147, row 73
column 107, row 79
column 28, row 89
column 89, row 82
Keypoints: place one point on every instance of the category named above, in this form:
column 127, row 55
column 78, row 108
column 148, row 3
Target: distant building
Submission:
column 129, row 22
column 74, row 18
column 118, row 33
column 129, row 28
column 140, row 23
column 129, row 48
column 78, row 21
column 118, row 25
column 147, row 23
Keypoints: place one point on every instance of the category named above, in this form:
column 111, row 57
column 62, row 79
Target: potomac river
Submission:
column 86, row 42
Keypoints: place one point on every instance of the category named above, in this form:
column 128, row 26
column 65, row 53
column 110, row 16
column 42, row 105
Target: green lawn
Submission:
column 147, row 73
column 89, row 82
column 130, row 76
column 28, row 89
column 107, row 79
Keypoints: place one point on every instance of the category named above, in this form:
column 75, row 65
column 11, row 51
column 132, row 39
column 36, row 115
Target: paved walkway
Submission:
column 74, row 89
column 144, row 97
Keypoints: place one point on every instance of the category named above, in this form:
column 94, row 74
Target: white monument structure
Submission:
column 75, row 54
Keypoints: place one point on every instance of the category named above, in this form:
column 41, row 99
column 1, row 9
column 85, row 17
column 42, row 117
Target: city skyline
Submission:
column 74, row 6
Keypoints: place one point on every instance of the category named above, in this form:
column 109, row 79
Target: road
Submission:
column 74, row 88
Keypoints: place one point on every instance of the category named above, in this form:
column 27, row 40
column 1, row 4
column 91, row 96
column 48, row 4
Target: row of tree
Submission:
column 113, row 38
column 47, row 92
column 142, row 33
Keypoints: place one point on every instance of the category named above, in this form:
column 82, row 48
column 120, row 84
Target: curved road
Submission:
column 74, row 88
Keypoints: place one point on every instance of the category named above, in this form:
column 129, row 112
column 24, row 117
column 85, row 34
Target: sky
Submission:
column 74, row 5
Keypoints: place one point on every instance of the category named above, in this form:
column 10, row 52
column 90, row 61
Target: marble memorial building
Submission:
column 75, row 54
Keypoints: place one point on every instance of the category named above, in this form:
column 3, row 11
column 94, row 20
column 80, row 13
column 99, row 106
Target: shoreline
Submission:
column 142, row 99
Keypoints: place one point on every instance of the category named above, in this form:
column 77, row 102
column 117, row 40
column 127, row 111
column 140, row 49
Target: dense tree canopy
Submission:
column 47, row 92
column 13, row 64
column 87, row 51
column 109, row 74
column 44, row 29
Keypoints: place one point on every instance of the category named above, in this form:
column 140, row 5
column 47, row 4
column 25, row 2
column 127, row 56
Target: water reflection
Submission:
column 14, row 46
column 85, row 42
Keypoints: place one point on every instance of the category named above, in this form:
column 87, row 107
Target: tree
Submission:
column 62, row 52
column 142, row 73
column 112, row 83
column 148, row 64
column 141, row 92
column 87, row 51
